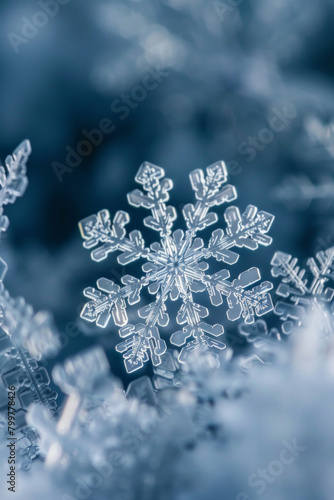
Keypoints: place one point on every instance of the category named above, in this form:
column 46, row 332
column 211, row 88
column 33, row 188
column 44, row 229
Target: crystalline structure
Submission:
column 25, row 337
column 302, row 294
column 176, row 267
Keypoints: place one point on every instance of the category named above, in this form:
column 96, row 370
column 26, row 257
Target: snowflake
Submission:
column 301, row 293
column 175, row 268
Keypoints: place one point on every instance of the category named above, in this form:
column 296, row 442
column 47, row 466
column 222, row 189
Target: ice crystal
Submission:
column 300, row 293
column 175, row 268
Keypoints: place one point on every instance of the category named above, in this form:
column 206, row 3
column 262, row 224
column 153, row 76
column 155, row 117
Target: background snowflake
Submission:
column 300, row 293
column 176, row 266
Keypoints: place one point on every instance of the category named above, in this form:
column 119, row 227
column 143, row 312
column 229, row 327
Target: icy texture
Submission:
column 176, row 267
column 301, row 292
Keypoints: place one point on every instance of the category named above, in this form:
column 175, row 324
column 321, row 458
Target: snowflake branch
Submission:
column 144, row 338
column 97, row 229
column 162, row 218
column 209, row 193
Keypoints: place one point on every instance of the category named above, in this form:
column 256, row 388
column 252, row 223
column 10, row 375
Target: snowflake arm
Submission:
column 155, row 199
column 203, row 335
column 97, row 229
column 209, row 192
column 241, row 302
column 143, row 339
column 248, row 230
column 13, row 182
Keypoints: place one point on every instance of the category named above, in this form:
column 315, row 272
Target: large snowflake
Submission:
column 176, row 267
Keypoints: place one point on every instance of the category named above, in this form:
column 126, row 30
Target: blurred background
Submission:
column 179, row 83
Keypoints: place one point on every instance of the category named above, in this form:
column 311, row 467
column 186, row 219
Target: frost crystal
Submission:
column 302, row 293
column 175, row 268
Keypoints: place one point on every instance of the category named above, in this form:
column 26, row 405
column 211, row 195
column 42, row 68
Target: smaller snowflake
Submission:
column 176, row 267
column 304, row 294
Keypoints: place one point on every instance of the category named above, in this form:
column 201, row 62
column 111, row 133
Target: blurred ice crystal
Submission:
column 176, row 266
column 301, row 294
column 298, row 192
column 86, row 381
